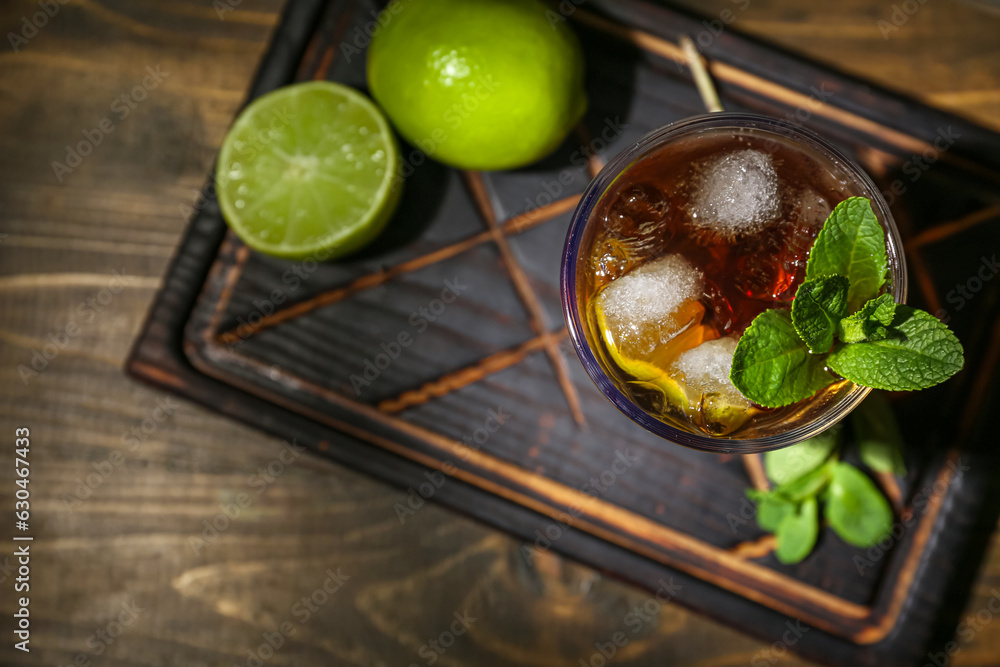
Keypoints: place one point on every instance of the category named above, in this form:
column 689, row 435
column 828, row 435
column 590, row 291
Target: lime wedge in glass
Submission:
column 712, row 412
column 645, row 373
column 309, row 171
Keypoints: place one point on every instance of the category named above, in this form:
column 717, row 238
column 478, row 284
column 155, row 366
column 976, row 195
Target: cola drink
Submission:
column 672, row 257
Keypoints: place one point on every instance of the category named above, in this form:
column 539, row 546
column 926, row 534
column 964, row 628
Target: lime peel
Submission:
column 478, row 85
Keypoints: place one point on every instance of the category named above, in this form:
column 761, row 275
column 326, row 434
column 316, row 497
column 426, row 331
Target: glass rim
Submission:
column 578, row 225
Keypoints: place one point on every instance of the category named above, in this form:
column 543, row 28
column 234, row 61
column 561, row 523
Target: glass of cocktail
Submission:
column 674, row 249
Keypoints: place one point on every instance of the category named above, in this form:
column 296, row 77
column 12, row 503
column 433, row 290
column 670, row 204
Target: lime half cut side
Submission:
column 309, row 171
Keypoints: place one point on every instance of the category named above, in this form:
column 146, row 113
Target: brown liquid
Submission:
column 646, row 214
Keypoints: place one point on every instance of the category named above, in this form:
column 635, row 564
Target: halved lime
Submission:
column 309, row 171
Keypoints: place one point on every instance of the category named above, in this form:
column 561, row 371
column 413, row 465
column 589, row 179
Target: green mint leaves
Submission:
column 819, row 306
column 796, row 535
column 855, row 508
column 784, row 466
column 851, row 244
column 839, row 322
column 870, row 322
column 919, row 351
column 772, row 366
column 771, row 508
column 811, row 482
column 880, row 443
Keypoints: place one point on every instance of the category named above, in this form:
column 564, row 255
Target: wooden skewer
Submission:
column 755, row 548
column 754, row 464
column 702, row 79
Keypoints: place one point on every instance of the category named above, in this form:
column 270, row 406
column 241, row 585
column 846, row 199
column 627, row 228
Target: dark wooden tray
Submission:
column 312, row 352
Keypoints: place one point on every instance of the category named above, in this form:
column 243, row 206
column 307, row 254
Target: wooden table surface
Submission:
column 124, row 479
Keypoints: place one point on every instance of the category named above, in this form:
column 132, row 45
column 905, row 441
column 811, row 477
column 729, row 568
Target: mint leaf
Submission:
column 869, row 323
column 772, row 366
column 855, row 508
column 788, row 464
column 796, row 534
column 851, row 244
column 819, row 305
column 880, row 443
column 771, row 508
column 883, row 309
column 809, row 484
column 918, row 352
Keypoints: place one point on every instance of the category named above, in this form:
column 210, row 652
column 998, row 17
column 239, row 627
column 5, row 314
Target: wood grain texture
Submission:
column 301, row 371
column 124, row 208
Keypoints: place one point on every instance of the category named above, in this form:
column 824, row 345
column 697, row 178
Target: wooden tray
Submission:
column 438, row 359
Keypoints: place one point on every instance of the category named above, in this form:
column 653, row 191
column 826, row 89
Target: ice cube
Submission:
column 813, row 208
column 611, row 259
column 736, row 194
column 644, row 199
column 706, row 370
column 637, row 218
column 638, row 203
column 760, row 263
column 651, row 304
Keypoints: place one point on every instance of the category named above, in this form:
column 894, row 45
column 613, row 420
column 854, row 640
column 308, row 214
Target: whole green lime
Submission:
column 478, row 84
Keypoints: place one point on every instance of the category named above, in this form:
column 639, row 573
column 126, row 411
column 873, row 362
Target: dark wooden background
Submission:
column 123, row 209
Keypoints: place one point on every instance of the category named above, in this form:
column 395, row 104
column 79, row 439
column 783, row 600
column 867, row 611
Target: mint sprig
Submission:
column 811, row 473
column 839, row 321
